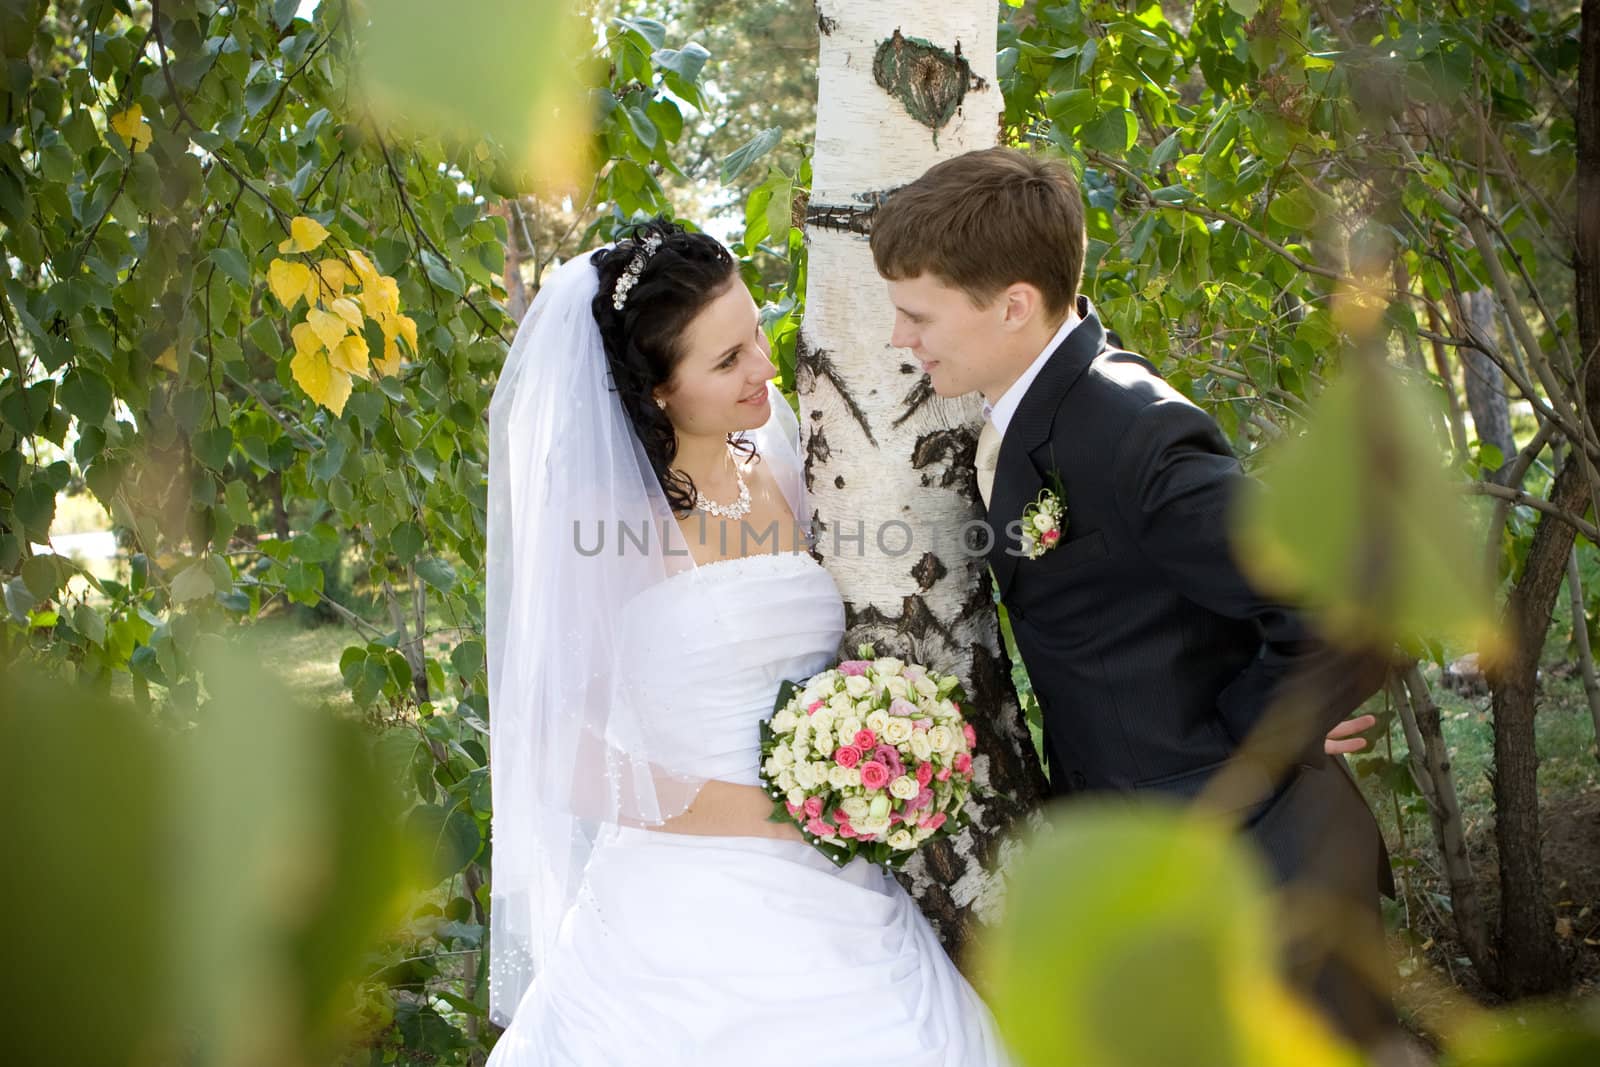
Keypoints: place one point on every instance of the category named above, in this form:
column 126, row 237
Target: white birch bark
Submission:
column 889, row 463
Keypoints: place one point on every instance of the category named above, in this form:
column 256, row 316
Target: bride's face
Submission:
column 720, row 384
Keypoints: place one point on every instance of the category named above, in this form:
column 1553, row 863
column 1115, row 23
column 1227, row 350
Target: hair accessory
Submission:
column 619, row 296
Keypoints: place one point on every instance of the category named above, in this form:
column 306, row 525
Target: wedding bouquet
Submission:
column 870, row 758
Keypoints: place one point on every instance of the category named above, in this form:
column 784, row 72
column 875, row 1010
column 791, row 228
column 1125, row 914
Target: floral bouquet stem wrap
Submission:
column 870, row 758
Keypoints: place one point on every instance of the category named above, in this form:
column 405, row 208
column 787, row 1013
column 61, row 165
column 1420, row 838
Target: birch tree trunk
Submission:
column 903, row 85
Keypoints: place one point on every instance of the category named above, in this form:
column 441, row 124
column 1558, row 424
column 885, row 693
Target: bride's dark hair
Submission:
column 682, row 276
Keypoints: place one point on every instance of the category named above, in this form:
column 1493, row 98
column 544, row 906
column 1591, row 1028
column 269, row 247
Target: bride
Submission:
column 649, row 590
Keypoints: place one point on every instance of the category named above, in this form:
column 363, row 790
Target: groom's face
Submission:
column 952, row 337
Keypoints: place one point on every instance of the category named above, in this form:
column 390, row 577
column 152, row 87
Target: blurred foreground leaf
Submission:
column 1134, row 938
column 1358, row 521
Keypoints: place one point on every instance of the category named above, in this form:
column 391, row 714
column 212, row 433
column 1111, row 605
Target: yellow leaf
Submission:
column 305, row 234
column 169, row 358
column 408, row 330
column 321, row 382
column 381, row 296
column 306, row 341
column 330, row 328
column 363, row 266
column 350, row 356
column 287, row 281
column 347, row 310
column 334, row 274
column 389, row 365
column 132, row 128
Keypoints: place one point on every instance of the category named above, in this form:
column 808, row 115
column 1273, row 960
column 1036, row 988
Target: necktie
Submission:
column 988, row 453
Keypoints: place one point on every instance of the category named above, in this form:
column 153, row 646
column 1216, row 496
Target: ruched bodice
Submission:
column 709, row 647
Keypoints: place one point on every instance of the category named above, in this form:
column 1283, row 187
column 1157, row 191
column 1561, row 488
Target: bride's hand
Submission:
column 1345, row 738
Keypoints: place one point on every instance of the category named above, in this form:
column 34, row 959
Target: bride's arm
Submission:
column 725, row 809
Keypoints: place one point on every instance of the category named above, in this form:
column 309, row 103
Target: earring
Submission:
column 662, row 404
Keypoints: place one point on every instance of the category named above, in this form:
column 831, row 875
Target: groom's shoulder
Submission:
column 1125, row 383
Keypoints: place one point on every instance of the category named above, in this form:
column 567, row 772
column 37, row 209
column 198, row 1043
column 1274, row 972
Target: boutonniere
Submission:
column 1044, row 522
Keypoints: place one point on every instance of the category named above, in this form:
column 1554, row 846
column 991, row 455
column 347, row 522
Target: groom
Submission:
column 1158, row 667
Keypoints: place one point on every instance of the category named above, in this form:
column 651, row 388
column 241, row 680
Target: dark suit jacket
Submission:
column 1152, row 656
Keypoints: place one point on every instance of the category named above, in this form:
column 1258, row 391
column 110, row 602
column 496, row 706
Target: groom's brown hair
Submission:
column 984, row 220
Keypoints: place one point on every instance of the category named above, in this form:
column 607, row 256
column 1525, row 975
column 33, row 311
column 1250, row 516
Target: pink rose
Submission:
column 816, row 706
column 847, row 755
column 956, row 705
column 841, row 816
column 944, row 775
column 852, row 667
column 813, row 806
column 895, row 818
column 902, row 707
column 923, row 724
column 924, row 799
column 924, row 773
column 865, row 739
column 963, row 763
column 794, row 809
column 1050, row 537
column 933, row 822
column 874, row 775
column 818, row 827
column 845, row 830
column 971, row 734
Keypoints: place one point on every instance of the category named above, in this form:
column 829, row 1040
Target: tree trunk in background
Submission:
column 903, row 85
column 1486, row 385
column 1529, row 957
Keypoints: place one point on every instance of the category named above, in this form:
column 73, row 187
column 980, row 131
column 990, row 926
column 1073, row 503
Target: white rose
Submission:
column 786, row 781
column 823, row 742
column 797, row 797
column 877, row 721
column 802, row 734
column 858, row 685
column 878, row 807
column 820, row 769
column 805, row 776
column 771, row 768
column 823, row 719
column 898, row 688
column 855, row 807
column 897, row 731
column 874, row 824
column 942, row 739
column 901, row 840
column 812, row 693
column 1043, row 521
column 905, row 787
column 839, row 777
column 848, row 728
column 948, row 709
column 926, row 688
column 784, row 721
column 888, row 665
column 841, row 703
column 921, row 746
column 863, row 707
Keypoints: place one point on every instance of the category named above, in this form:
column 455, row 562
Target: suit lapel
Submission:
column 1016, row 482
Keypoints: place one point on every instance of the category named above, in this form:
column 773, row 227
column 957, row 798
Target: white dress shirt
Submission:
column 1001, row 411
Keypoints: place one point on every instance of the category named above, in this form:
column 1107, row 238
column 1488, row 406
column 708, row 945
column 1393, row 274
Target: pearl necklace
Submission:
column 736, row 510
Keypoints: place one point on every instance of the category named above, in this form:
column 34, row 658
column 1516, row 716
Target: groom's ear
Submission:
column 1021, row 304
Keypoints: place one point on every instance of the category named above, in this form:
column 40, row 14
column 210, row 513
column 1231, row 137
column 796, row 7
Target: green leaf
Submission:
column 232, row 263
column 211, row 446
column 406, row 540
column 437, row 573
column 1293, row 208
column 35, row 508
column 442, row 274
column 450, row 837
column 44, row 576
column 739, row 160
column 86, row 394
column 1113, row 132
column 192, row 583
column 1071, row 108
column 1247, row 8
column 686, row 62
column 641, row 126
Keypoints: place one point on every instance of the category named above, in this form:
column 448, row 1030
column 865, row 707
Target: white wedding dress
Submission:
column 689, row 950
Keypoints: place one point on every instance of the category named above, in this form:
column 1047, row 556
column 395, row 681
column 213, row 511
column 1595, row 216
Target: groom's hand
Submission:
column 1345, row 738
